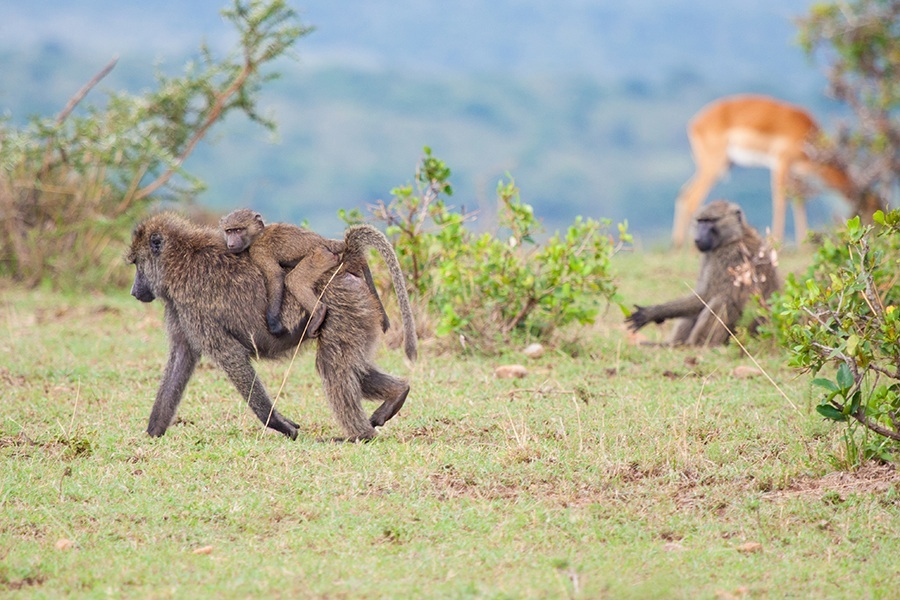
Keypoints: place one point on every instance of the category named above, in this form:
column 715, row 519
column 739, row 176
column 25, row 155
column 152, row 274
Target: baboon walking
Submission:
column 735, row 265
column 215, row 305
column 278, row 246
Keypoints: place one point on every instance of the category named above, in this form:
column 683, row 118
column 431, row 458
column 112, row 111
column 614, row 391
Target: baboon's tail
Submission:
column 360, row 237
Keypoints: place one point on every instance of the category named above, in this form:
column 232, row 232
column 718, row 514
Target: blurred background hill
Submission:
column 584, row 102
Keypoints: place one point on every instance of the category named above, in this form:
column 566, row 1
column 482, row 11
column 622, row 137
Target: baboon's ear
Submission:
column 156, row 243
column 258, row 218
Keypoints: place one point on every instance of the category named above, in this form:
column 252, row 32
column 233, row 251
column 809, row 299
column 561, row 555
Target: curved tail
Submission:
column 360, row 237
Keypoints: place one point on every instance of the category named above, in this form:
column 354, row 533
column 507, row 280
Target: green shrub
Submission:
column 489, row 289
column 842, row 317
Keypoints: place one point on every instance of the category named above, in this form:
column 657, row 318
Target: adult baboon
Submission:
column 276, row 247
column 215, row 305
column 735, row 265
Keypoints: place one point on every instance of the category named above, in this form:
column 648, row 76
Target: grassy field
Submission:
column 617, row 471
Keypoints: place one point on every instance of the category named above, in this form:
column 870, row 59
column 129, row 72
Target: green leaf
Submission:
column 813, row 289
column 852, row 344
column 830, row 412
column 825, row 383
column 844, row 377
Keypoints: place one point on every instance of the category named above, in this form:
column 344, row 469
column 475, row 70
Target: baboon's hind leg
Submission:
column 709, row 330
column 391, row 390
column 344, row 393
column 682, row 331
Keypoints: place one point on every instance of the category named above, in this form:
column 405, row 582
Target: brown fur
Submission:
column 276, row 247
column 215, row 304
column 735, row 266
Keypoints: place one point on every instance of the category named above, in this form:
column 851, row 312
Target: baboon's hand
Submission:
column 274, row 324
column 640, row 317
column 324, row 258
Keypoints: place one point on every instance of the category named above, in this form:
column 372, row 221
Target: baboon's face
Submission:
column 146, row 248
column 237, row 239
column 240, row 229
column 717, row 224
column 707, row 235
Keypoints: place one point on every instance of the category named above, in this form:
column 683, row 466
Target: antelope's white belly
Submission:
column 747, row 157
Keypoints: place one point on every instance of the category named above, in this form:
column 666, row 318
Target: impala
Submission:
column 758, row 131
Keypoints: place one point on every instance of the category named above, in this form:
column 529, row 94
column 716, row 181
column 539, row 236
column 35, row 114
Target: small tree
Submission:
column 71, row 185
column 843, row 316
column 861, row 40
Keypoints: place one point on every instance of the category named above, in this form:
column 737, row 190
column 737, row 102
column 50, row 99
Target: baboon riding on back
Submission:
column 216, row 305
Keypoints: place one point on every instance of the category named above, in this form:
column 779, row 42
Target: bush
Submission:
column 70, row 186
column 487, row 290
column 843, row 314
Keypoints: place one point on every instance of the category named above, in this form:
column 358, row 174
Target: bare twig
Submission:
column 79, row 96
column 70, row 106
column 874, row 426
column 214, row 113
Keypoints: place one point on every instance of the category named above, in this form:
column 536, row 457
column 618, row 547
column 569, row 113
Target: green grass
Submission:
column 626, row 471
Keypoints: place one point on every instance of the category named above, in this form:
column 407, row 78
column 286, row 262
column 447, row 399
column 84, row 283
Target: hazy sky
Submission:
column 588, row 36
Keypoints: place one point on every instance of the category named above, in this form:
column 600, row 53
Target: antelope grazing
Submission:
column 758, row 131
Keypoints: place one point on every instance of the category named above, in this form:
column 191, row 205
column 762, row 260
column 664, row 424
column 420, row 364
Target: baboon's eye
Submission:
column 156, row 243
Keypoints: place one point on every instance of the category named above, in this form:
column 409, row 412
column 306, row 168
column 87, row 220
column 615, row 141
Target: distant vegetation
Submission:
column 585, row 107
column 72, row 185
column 612, row 469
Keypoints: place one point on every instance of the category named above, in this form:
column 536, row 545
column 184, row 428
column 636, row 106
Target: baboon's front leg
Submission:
column 180, row 367
column 713, row 324
column 243, row 376
column 689, row 306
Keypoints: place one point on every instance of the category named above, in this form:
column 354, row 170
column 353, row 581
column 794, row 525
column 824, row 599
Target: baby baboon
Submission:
column 735, row 265
column 215, row 302
column 276, row 247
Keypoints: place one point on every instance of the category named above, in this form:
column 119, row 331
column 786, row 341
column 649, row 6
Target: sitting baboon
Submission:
column 735, row 265
column 215, row 303
column 278, row 246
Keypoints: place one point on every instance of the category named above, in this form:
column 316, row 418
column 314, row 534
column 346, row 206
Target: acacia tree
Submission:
column 861, row 41
column 70, row 185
